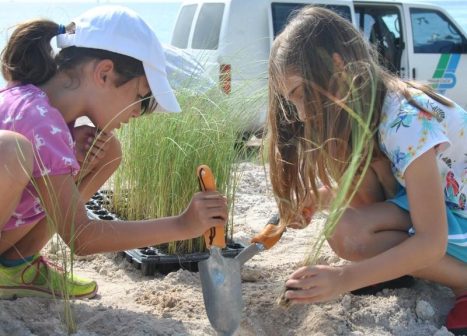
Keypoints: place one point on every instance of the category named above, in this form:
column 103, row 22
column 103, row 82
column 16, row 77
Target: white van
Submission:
column 232, row 39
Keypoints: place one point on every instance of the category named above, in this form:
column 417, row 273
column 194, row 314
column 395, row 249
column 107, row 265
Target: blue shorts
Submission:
column 457, row 227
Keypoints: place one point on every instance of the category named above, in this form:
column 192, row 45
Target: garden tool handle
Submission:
column 272, row 231
column 270, row 234
column 215, row 236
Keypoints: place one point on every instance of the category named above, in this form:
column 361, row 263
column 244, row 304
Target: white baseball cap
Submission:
column 121, row 30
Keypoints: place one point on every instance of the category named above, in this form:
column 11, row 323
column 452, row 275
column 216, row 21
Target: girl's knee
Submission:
column 16, row 155
column 349, row 238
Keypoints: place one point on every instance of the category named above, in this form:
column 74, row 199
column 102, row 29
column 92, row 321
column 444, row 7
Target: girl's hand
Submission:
column 313, row 284
column 206, row 210
column 303, row 220
column 90, row 147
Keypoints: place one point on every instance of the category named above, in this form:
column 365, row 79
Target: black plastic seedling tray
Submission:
column 150, row 259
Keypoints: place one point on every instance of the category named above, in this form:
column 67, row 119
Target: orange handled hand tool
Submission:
column 220, row 277
column 267, row 238
column 270, row 234
column 272, row 231
column 215, row 236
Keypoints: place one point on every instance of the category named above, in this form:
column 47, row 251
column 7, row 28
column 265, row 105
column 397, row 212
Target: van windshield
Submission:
column 283, row 12
column 182, row 28
column 208, row 26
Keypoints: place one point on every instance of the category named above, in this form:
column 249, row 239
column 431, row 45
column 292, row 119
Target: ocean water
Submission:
column 159, row 15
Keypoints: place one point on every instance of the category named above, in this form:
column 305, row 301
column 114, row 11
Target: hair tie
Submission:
column 61, row 29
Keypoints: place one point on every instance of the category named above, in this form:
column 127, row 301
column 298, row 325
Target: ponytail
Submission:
column 28, row 57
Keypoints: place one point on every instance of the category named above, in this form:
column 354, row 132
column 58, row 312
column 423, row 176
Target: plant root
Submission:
column 283, row 301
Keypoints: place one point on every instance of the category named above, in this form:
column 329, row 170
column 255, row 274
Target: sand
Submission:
column 132, row 304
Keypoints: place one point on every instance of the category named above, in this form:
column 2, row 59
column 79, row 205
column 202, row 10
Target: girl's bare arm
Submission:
column 322, row 283
column 66, row 212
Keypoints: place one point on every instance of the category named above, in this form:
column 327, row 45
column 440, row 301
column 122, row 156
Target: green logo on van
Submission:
column 445, row 74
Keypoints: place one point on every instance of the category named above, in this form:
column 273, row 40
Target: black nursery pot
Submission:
column 151, row 259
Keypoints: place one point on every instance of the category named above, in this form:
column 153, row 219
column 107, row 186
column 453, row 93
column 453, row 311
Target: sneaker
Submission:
column 457, row 317
column 42, row 278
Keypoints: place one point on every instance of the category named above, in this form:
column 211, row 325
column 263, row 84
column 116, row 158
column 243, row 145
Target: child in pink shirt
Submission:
column 110, row 68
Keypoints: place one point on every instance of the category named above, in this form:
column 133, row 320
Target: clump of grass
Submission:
column 161, row 153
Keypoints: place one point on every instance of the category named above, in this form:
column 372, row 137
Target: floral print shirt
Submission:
column 406, row 132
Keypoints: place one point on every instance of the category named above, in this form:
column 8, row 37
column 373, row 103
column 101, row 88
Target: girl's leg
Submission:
column 17, row 158
column 16, row 161
column 452, row 273
column 23, row 272
column 27, row 241
column 38, row 277
column 369, row 230
column 448, row 271
column 371, row 226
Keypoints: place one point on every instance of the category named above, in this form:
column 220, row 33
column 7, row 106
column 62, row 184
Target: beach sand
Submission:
column 132, row 304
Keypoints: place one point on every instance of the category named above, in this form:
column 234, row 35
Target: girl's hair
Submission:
column 28, row 57
column 341, row 106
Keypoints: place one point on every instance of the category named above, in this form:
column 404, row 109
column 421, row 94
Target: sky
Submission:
column 433, row 1
column 91, row 1
column 461, row 2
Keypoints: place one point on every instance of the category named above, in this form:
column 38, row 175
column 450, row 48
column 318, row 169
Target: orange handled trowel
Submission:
column 266, row 239
column 220, row 277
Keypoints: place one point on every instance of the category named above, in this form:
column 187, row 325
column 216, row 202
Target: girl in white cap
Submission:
column 110, row 68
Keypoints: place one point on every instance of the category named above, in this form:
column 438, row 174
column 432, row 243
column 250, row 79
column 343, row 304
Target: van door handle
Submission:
column 413, row 73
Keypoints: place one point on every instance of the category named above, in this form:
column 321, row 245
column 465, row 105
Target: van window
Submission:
column 182, row 28
column 381, row 26
column 283, row 12
column 433, row 32
column 208, row 26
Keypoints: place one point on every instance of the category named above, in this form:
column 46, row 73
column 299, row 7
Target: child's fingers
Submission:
column 214, row 208
column 302, row 294
column 100, row 143
column 304, row 271
column 311, row 295
column 211, row 195
column 96, row 145
column 96, row 152
column 301, row 283
column 216, row 221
